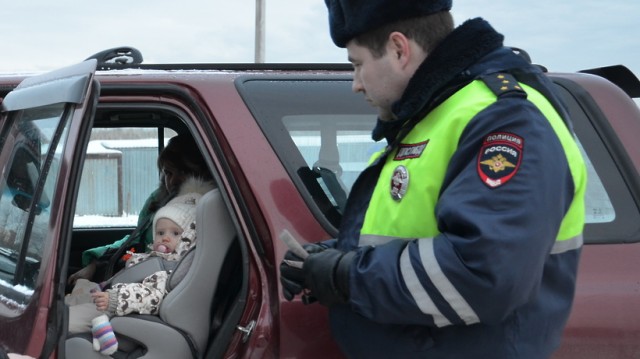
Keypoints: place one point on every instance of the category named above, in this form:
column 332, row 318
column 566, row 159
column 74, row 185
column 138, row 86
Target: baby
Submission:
column 174, row 235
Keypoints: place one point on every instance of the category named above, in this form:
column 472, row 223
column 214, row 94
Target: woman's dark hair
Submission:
column 183, row 155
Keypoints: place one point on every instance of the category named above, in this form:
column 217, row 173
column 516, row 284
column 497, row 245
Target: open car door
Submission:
column 44, row 130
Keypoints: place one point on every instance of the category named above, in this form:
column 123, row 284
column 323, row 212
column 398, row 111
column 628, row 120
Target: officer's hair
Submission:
column 427, row 31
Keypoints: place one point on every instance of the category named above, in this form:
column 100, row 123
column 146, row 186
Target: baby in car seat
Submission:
column 91, row 305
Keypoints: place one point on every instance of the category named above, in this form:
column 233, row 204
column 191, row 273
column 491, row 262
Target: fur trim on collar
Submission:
column 195, row 185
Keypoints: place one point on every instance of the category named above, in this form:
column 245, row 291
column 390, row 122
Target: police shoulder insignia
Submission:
column 499, row 158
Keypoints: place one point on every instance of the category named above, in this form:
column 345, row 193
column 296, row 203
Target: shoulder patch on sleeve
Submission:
column 499, row 158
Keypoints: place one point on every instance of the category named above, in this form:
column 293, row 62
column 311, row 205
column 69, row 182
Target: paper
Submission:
column 293, row 245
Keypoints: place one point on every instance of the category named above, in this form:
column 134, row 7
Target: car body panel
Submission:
column 604, row 322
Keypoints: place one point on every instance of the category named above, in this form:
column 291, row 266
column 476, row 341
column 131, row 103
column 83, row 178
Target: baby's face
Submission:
column 167, row 236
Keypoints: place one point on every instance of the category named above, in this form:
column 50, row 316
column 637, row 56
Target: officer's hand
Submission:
column 291, row 274
column 326, row 275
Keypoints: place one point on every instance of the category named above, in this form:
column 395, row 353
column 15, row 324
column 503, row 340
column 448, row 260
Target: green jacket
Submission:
column 145, row 216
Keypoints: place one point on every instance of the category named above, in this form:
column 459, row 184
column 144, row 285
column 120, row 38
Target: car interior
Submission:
column 205, row 285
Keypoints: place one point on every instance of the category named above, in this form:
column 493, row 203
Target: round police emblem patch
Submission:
column 499, row 158
column 399, row 182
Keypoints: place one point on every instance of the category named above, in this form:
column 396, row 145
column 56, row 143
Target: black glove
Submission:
column 326, row 274
column 291, row 275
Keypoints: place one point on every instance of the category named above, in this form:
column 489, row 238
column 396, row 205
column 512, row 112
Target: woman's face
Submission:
column 173, row 177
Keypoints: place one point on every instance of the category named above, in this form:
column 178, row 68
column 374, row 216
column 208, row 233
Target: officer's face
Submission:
column 380, row 79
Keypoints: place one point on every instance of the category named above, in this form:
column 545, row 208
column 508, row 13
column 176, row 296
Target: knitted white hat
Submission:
column 182, row 208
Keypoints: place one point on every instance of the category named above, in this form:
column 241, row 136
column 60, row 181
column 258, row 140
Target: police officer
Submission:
column 462, row 238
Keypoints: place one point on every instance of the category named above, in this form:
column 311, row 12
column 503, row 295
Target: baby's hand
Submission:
column 101, row 299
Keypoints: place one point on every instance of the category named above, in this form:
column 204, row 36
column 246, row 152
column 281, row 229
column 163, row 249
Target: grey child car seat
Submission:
column 181, row 329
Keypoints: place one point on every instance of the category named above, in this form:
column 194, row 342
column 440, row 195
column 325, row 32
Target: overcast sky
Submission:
column 563, row 35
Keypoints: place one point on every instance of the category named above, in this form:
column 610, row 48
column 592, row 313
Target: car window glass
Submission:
column 598, row 206
column 343, row 152
column 321, row 131
column 611, row 215
column 354, row 148
column 34, row 144
column 317, row 126
column 120, row 171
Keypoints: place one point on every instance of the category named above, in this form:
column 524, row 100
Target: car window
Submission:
column 321, row 132
column 344, row 153
column 598, row 205
column 33, row 143
column 120, row 170
column 611, row 213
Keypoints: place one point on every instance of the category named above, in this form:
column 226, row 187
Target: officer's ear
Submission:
column 398, row 46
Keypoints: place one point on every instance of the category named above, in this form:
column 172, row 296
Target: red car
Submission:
column 285, row 142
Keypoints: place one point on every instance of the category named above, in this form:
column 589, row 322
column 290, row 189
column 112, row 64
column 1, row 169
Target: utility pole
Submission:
column 260, row 28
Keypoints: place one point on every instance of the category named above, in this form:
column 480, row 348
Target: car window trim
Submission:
column 67, row 85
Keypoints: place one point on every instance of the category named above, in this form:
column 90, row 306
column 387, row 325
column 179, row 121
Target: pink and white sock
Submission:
column 104, row 340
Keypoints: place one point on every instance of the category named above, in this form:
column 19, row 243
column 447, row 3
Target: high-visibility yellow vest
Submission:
column 436, row 138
